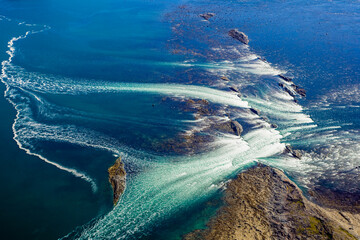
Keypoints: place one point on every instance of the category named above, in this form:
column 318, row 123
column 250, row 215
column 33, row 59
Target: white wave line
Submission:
column 11, row 53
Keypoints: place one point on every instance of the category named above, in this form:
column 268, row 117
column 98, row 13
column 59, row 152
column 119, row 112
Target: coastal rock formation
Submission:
column 207, row 16
column 236, row 127
column 117, row 178
column 262, row 203
column 240, row 36
column 295, row 153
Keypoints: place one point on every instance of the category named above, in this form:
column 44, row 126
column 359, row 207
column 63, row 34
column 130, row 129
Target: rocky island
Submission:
column 117, row 179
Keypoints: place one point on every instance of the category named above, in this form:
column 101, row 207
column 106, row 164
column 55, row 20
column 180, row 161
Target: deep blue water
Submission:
column 87, row 82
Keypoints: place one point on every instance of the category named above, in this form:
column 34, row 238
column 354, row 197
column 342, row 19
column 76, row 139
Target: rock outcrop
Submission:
column 296, row 153
column 234, row 89
column 295, row 88
column 262, row 203
column 236, row 127
column 196, row 141
column 117, row 178
column 240, row 36
column 288, row 79
column 300, row 90
column 207, row 16
column 256, row 111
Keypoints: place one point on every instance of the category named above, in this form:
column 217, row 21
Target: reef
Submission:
column 197, row 140
column 240, row 36
column 117, row 179
column 263, row 203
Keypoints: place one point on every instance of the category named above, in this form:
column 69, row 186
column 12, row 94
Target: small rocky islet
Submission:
column 240, row 36
column 117, row 179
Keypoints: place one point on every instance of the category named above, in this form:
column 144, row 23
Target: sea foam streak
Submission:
column 170, row 185
column 11, row 53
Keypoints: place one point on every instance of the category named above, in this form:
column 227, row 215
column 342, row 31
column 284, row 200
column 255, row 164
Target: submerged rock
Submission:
column 207, row 16
column 240, row 36
column 273, row 125
column 263, row 203
column 117, row 178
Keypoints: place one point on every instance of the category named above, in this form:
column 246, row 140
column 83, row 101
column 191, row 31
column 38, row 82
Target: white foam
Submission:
column 11, row 53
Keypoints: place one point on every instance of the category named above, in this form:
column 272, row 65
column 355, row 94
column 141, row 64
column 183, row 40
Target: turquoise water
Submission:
column 87, row 82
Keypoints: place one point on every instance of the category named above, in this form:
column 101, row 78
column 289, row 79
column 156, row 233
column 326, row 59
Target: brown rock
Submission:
column 117, row 178
column 262, row 203
column 224, row 78
column 237, row 128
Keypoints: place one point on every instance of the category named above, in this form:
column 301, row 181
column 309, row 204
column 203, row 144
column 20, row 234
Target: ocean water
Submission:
column 87, row 82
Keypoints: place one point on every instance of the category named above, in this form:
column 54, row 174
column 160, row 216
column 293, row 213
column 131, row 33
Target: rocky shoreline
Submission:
column 263, row 203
